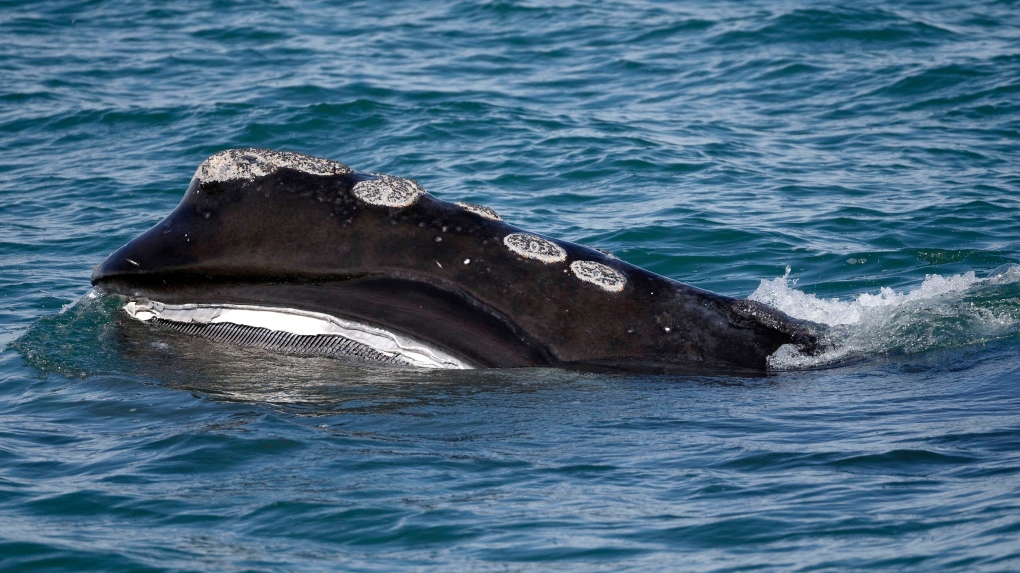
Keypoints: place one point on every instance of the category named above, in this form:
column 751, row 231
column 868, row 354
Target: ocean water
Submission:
column 855, row 164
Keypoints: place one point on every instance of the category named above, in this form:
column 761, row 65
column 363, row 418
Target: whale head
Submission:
column 289, row 235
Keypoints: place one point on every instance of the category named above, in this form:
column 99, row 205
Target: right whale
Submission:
column 302, row 254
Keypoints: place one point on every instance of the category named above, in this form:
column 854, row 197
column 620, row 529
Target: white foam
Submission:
column 935, row 314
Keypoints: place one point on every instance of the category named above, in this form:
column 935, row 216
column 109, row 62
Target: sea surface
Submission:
column 852, row 163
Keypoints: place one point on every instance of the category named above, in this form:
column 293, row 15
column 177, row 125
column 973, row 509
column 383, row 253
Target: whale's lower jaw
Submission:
column 294, row 331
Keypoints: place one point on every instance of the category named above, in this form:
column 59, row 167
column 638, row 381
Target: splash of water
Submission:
column 943, row 312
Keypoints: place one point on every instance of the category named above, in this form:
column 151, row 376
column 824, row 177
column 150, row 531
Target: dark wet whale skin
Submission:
column 437, row 272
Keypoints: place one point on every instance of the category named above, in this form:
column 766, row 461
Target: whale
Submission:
column 303, row 254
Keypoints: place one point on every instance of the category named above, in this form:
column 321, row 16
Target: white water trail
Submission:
column 942, row 312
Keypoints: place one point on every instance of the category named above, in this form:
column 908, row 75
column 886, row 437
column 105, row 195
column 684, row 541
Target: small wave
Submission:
column 943, row 312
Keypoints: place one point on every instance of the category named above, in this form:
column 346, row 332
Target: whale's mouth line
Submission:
column 293, row 330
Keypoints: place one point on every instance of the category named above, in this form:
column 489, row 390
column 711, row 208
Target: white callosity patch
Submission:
column 388, row 191
column 535, row 247
column 480, row 210
column 602, row 276
column 253, row 162
column 299, row 322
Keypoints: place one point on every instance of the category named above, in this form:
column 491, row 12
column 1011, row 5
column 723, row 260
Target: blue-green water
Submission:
column 796, row 152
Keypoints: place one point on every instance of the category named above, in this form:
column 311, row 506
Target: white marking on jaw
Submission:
column 602, row 276
column 253, row 162
column 299, row 322
column 535, row 247
column 480, row 210
column 388, row 191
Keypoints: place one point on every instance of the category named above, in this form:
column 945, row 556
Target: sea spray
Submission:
column 942, row 312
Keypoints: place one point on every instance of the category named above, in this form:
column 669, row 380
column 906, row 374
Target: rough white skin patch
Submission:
column 480, row 210
column 299, row 322
column 388, row 191
column 253, row 162
column 535, row 247
column 602, row 276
